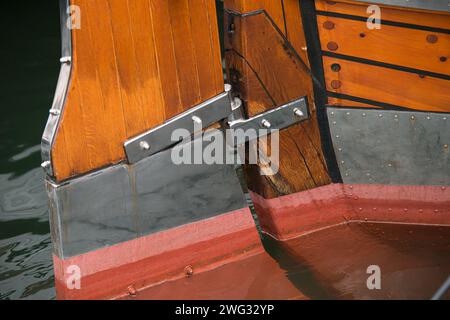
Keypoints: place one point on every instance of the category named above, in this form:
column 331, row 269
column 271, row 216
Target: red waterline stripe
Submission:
column 304, row 212
column 107, row 272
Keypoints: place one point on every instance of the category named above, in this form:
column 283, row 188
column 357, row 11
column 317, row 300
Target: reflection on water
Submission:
column 29, row 64
column 25, row 245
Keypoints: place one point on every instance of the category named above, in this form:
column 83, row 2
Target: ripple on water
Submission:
column 26, row 270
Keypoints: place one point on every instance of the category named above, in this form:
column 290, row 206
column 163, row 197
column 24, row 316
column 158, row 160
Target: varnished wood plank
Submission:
column 399, row 88
column 393, row 45
column 403, row 15
column 203, row 49
column 108, row 79
column 165, row 54
column 185, row 54
column 126, row 77
column 127, row 66
column 215, row 45
column 149, row 86
column 337, row 102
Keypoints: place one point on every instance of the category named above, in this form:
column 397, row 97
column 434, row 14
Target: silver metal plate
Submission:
column 391, row 147
column 124, row 202
column 433, row 5
column 160, row 138
column 56, row 110
column 275, row 119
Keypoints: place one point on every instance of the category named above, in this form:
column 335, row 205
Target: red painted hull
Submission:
column 297, row 214
column 108, row 273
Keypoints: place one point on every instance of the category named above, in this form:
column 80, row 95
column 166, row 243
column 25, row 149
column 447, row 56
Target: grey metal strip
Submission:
column 160, row 138
column 433, row 5
column 56, row 110
column 275, row 119
column 391, row 147
column 124, row 202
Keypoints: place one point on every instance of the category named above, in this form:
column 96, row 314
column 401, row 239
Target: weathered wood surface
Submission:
column 302, row 165
column 136, row 63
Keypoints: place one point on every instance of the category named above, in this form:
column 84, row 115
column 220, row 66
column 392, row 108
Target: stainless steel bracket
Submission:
column 160, row 138
column 267, row 122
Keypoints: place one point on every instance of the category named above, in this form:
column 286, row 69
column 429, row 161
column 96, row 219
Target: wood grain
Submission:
column 302, row 165
column 386, row 85
column 136, row 63
column 394, row 45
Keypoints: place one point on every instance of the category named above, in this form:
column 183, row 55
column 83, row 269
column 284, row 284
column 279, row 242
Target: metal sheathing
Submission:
column 124, row 202
column 391, row 147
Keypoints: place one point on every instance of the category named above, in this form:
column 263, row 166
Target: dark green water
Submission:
column 29, row 67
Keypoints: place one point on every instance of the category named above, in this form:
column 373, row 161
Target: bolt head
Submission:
column 144, row 145
column 298, row 112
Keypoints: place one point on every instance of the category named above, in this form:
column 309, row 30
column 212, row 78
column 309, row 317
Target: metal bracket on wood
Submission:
column 160, row 138
column 275, row 119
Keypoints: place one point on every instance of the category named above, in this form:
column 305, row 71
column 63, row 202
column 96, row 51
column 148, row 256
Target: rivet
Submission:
column 360, row 209
column 442, row 59
column 343, row 162
column 329, row 25
column 144, row 145
column 338, row 136
column 188, row 271
column 334, row 122
column 436, row 210
column 396, row 116
column 132, row 291
column 362, row 35
column 413, row 118
column 445, row 146
column 443, row 188
column 340, row 149
column 368, row 174
column 432, row 38
column 350, row 187
column 420, row 210
column 390, row 209
column 336, row 84
column 380, row 116
column 389, row 164
column 428, row 118
column 332, row 113
column 444, row 118
column 332, row 46
column 363, row 114
column 348, row 113
column 298, row 112
column 406, row 210
column 374, row 209
column 266, row 124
